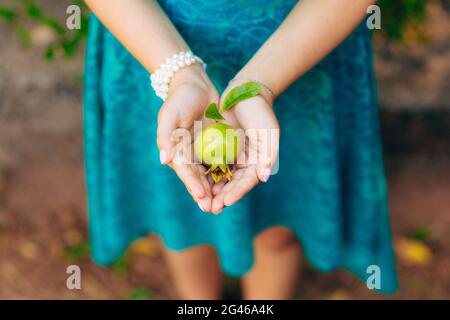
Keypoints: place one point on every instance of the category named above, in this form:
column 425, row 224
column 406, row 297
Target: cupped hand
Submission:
column 255, row 163
column 190, row 92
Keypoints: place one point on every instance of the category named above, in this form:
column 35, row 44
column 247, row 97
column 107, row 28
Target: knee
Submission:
column 276, row 239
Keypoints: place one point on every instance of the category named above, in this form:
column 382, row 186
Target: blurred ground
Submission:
column 418, row 76
column 42, row 201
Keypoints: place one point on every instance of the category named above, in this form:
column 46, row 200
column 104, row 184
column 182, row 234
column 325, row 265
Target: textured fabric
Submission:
column 330, row 188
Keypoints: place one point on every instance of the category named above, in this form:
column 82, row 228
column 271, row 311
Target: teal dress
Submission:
column 330, row 189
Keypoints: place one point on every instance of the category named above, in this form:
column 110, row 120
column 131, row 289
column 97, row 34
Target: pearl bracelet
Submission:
column 160, row 79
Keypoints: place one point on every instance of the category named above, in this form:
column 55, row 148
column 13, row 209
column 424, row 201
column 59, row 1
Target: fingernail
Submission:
column 266, row 174
column 163, row 156
column 200, row 206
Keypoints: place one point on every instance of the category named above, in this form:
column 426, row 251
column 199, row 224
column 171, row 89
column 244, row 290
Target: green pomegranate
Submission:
column 218, row 146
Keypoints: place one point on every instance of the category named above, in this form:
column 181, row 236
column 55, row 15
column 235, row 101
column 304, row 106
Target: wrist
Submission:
column 193, row 74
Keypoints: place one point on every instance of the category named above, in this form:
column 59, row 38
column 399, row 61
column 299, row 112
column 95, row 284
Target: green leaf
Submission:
column 34, row 11
column 241, row 93
column 49, row 53
column 120, row 267
column 77, row 251
column 421, row 234
column 7, row 14
column 71, row 44
column 213, row 113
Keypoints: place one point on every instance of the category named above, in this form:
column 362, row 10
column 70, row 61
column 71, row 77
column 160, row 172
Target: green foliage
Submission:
column 399, row 15
column 22, row 15
column 7, row 14
column 139, row 294
column 78, row 251
column 421, row 234
column 120, row 268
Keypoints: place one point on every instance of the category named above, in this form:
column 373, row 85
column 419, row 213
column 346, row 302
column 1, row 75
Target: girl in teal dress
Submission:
column 326, row 193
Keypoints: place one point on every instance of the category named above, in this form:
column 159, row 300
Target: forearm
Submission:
column 312, row 29
column 142, row 27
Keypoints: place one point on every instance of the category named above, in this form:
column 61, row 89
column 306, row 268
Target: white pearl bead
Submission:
column 181, row 63
column 175, row 68
column 164, row 88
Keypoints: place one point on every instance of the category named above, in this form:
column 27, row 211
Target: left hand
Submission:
column 261, row 149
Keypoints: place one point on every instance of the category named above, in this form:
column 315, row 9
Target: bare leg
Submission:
column 277, row 266
column 196, row 273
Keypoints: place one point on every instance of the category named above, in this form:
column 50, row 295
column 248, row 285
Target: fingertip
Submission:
column 163, row 157
column 264, row 174
column 217, row 205
column 230, row 199
column 197, row 194
column 205, row 204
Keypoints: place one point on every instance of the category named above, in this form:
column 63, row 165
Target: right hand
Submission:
column 261, row 148
column 190, row 92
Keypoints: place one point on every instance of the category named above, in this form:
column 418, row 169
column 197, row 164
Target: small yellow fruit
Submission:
column 413, row 252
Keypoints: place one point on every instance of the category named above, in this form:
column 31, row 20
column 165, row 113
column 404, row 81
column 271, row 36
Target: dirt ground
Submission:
column 43, row 225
